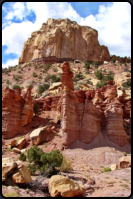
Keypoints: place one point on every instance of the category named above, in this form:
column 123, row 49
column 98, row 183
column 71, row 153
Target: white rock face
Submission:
column 63, row 38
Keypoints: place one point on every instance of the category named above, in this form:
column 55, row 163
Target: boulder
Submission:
column 8, row 164
column 16, row 150
column 13, row 142
column 23, row 175
column 125, row 161
column 119, row 79
column 127, row 74
column 20, row 143
column 65, row 39
column 113, row 167
column 65, row 187
column 38, row 135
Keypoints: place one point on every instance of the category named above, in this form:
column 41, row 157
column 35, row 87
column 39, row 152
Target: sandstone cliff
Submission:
column 64, row 39
column 86, row 115
column 17, row 111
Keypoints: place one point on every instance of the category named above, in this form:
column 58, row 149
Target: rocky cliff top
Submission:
column 64, row 39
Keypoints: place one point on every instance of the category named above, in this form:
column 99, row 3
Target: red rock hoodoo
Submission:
column 17, row 111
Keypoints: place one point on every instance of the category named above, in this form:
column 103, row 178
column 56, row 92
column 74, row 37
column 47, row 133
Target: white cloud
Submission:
column 18, row 11
column 10, row 62
column 113, row 24
column 114, row 27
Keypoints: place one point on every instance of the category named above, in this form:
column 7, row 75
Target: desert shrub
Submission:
column 41, row 160
column 87, row 72
column 125, row 69
column 106, row 169
column 15, row 86
column 127, row 83
column 47, row 77
column 108, row 77
column 110, row 72
column 125, row 64
column 47, row 66
column 34, row 74
column 78, row 76
column 113, row 60
column 66, row 165
column 54, row 78
column 42, row 88
column 7, row 81
column 19, row 76
column 99, row 74
column 124, row 153
column 87, row 65
column 39, row 77
column 36, row 108
column 19, row 71
column 95, row 63
column 40, row 66
column 59, row 116
column 55, row 69
column 11, row 194
column 22, row 157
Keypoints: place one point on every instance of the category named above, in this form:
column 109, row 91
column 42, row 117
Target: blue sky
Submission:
column 20, row 19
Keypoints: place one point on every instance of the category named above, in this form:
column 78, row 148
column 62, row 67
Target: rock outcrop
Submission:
column 65, row 187
column 86, row 114
column 17, row 111
column 62, row 40
column 38, row 135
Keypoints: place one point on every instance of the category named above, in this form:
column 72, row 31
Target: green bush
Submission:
column 42, row 88
column 41, row 160
column 36, row 108
column 106, row 169
column 59, row 116
column 125, row 64
column 89, row 82
column 34, row 74
column 47, row 66
column 47, row 77
column 124, row 153
column 78, row 77
column 7, row 81
column 15, row 86
column 99, row 74
column 113, row 60
column 127, row 84
column 19, row 71
column 54, row 78
column 55, row 69
column 95, row 63
column 22, row 157
column 87, row 65
column 76, row 88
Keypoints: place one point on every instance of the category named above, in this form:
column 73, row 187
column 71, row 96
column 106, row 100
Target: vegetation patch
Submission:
column 41, row 161
column 15, row 86
column 106, row 169
column 11, row 194
column 22, row 157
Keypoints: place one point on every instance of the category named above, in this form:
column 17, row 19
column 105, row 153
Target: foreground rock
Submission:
column 61, row 39
column 22, row 175
column 65, row 187
column 38, row 135
column 17, row 111
column 8, row 164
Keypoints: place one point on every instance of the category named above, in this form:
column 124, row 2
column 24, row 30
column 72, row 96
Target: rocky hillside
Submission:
column 81, row 108
column 64, row 39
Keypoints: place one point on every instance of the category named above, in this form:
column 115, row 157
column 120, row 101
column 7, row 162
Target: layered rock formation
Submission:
column 62, row 39
column 87, row 114
column 17, row 111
